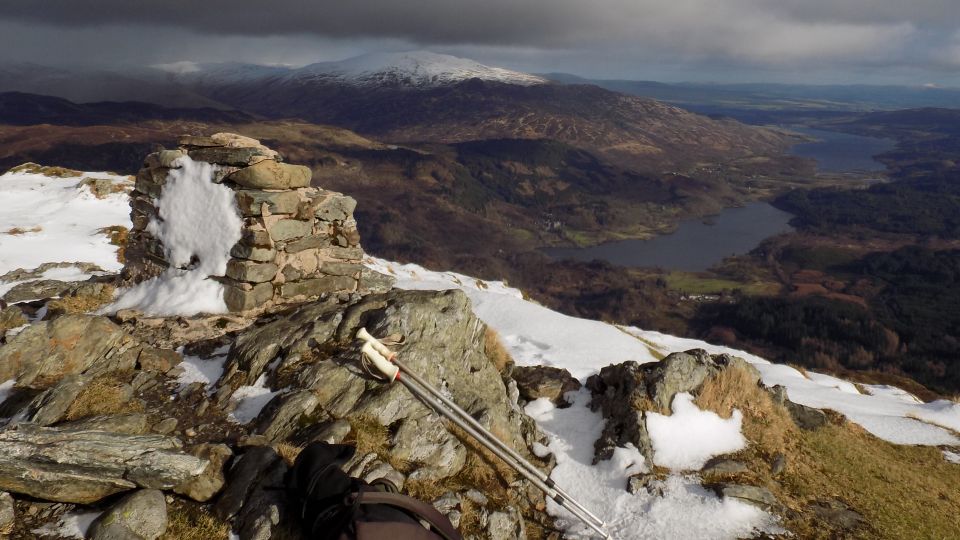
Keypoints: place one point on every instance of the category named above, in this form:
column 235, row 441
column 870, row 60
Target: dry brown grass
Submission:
column 20, row 230
column 288, row 451
column 801, row 369
column 102, row 396
column 82, row 303
column 368, row 435
column 192, row 522
column 495, row 351
column 57, row 172
column 118, row 235
column 902, row 491
column 102, row 188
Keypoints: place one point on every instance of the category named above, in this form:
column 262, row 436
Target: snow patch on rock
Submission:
column 689, row 437
column 199, row 224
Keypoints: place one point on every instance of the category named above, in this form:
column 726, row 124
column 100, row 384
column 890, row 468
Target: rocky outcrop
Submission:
column 80, row 466
column 297, row 242
column 535, row 382
column 316, row 356
column 625, row 392
column 44, row 353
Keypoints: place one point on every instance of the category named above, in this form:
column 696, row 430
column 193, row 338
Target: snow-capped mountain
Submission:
column 418, row 69
column 415, row 68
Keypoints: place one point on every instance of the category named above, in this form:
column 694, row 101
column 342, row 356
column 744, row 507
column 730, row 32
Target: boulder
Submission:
column 142, row 514
column 45, row 352
column 270, row 174
column 202, row 488
column 754, row 495
column 81, row 466
column 535, row 382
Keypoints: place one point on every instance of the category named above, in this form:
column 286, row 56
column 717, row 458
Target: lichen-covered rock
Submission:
column 142, row 513
column 45, row 352
column 80, row 466
column 443, row 345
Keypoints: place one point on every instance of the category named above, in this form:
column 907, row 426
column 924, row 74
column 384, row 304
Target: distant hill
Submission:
column 719, row 98
column 21, row 109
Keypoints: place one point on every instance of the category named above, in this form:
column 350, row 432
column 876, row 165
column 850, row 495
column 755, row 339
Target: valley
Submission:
column 524, row 175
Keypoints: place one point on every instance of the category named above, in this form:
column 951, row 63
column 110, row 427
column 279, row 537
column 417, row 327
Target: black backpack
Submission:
column 334, row 506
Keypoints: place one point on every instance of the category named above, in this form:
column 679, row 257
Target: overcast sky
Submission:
column 816, row 41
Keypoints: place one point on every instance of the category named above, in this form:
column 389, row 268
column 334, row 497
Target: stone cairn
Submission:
column 297, row 242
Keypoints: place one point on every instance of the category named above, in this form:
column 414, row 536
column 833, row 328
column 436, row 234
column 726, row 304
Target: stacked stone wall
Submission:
column 297, row 241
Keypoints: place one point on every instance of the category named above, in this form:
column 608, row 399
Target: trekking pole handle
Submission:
column 390, row 371
column 375, row 343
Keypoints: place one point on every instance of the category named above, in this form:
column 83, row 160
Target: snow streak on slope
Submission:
column 536, row 335
column 415, row 68
column 46, row 219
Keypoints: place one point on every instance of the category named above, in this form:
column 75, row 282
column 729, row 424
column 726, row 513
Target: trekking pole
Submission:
column 517, row 459
column 484, row 437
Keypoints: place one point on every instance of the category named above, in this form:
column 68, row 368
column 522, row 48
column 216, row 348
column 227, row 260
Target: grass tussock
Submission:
column 288, row 451
column 190, row 522
column 56, row 172
column 901, row 491
column 495, row 351
column 102, row 188
column 15, row 231
column 82, row 303
column 368, row 435
column 103, row 396
column 118, row 235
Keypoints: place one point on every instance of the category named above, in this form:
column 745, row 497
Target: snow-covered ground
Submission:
column 535, row 335
column 48, row 219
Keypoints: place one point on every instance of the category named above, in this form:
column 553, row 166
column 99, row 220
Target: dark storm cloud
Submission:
column 838, row 35
column 424, row 21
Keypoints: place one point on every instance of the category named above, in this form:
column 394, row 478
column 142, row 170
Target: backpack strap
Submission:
column 438, row 522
